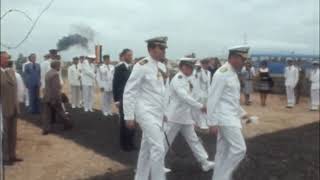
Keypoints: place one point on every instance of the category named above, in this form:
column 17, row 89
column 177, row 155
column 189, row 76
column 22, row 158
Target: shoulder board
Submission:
column 143, row 62
column 224, row 69
column 179, row 77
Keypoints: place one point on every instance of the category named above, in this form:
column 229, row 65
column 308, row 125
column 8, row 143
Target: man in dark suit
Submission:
column 53, row 100
column 9, row 110
column 121, row 75
column 32, row 77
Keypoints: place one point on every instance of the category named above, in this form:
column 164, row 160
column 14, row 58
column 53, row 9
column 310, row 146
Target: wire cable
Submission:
column 31, row 28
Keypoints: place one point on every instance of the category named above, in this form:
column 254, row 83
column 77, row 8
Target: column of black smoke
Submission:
column 81, row 36
column 72, row 40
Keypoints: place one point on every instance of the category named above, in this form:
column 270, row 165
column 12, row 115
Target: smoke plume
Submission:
column 82, row 35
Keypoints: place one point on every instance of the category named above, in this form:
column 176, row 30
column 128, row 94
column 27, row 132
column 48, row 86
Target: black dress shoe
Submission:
column 45, row 132
column 16, row 159
column 8, row 163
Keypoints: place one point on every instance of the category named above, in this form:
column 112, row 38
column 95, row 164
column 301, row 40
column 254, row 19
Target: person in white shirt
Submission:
column 315, row 86
column 179, row 113
column 26, row 94
column 144, row 101
column 105, row 78
column 201, row 81
column 74, row 78
column 88, row 79
column 291, row 75
column 247, row 75
column 45, row 66
column 224, row 112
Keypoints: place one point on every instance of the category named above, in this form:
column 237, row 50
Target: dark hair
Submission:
column 185, row 64
column 151, row 45
column 29, row 57
column 10, row 64
column 124, row 51
column 106, row 57
column 55, row 63
column 264, row 63
column 233, row 53
column 75, row 59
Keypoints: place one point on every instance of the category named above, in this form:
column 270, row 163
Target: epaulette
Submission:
column 224, row 69
column 179, row 77
column 143, row 62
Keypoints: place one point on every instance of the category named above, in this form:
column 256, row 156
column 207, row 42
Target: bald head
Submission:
column 55, row 64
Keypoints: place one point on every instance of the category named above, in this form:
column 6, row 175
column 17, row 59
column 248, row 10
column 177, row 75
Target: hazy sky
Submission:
column 206, row 27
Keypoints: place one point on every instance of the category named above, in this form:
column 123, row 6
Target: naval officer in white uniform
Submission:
column 224, row 112
column 144, row 101
column 291, row 75
column 105, row 78
column 74, row 78
column 179, row 114
column 88, row 78
column 315, row 85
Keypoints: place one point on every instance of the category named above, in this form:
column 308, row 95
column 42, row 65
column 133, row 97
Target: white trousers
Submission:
column 87, row 97
column 107, row 102
column 152, row 151
column 75, row 96
column 199, row 118
column 291, row 96
column 188, row 132
column 314, row 99
column 231, row 149
column 26, row 97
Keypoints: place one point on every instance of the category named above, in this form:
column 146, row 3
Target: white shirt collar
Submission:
column 125, row 63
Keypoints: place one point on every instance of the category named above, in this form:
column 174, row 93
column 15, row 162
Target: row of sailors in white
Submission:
column 291, row 76
column 144, row 101
column 84, row 76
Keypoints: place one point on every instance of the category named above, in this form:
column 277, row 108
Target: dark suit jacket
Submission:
column 8, row 93
column 52, row 90
column 32, row 75
column 121, row 76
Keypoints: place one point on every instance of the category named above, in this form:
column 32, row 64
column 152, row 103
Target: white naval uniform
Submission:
column 224, row 111
column 201, row 82
column 26, row 93
column 88, row 79
column 105, row 78
column 74, row 77
column 144, row 100
column 291, row 75
column 180, row 118
column 315, row 87
column 20, row 88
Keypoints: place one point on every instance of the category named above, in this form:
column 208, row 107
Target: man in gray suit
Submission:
column 10, row 109
column 52, row 100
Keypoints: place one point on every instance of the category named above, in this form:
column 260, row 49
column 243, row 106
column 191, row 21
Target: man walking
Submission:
column 179, row 114
column 52, row 100
column 144, row 101
column 121, row 76
column 224, row 112
column 33, row 82
column 74, row 78
column 105, row 78
column 291, row 75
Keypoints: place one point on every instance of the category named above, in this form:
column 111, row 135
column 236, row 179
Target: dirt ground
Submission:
column 284, row 145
